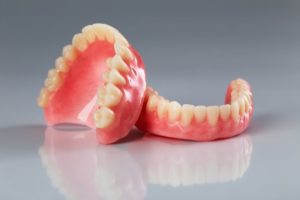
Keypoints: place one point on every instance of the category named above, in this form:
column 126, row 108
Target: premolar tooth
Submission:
column 123, row 51
column 152, row 103
column 174, row 110
column 187, row 114
column 55, row 82
column 113, row 95
column 118, row 63
column 69, row 52
column 241, row 106
column 225, row 112
column 247, row 104
column 162, row 108
column 116, row 78
column 61, row 64
column 79, row 42
column 42, row 100
column 235, row 111
column 52, row 73
column 200, row 113
column 101, row 96
column 89, row 33
column 104, row 117
column 212, row 115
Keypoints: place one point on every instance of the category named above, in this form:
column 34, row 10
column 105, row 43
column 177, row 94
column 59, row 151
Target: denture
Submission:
column 200, row 123
column 99, row 81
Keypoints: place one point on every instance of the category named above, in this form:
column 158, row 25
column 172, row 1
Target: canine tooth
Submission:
column 241, row 106
column 69, row 52
column 162, row 108
column 152, row 103
column 116, row 78
column 225, row 112
column 89, row 33
column 187, row 114
column 42, row 100
column 79, row 42
column 61, row 64
column 123, row 51
column 118, row 63
column 104, row 117
column 235, row 111
column 212, row 115
column 200, row 113
column 174, row 110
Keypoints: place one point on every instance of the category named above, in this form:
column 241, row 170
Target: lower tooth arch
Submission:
column 206, row 123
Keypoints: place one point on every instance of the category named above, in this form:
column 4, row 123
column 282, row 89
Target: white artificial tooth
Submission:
column 118, row 63
column 235, row 111
column 225, row 112
column 212, row 115
column 187, row 114
column 89, row 34
column 113, row 95
column 55, row 82
column 123, row 51
column 112, row 89
column 104, row 117
column 234, row 95
column 247, row 104
column 152, row 103
column 52, row 73
column 241, row 106
column 61, row 64
column 116, row 78
column 99, row 32
column 43, row 98
column 69, row 52
column 101, row 96
column 162, row 108
column 200, row 113
column 109, row 35
column 174, row 110
column 109, row 62
column 79, row 42
column 105, row 76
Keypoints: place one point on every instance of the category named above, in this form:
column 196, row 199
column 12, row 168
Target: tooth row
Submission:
column 80, row 42
column 187, row 113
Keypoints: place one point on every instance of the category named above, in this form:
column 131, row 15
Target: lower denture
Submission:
column 199, row 123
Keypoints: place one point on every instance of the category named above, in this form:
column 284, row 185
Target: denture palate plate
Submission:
column 99, row 81
column 200, row 123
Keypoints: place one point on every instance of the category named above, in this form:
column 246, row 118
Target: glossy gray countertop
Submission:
column 191, row 51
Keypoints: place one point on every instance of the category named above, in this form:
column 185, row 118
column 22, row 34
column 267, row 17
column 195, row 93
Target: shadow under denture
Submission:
column 16, row 141
column 178, row 163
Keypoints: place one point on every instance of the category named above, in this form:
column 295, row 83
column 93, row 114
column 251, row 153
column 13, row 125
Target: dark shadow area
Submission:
column 20, row 140
column 134, row 134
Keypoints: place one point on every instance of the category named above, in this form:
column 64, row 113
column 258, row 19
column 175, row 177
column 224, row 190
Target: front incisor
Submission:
column 187, row 114
column 104, row 117
column 152, row 103
column 162, row 108
column 225, row 112
column 174, row 111
column 200, row 113
column 89, row 33
column 212, row 115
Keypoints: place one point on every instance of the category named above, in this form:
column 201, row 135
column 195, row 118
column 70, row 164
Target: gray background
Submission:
column 192, row 49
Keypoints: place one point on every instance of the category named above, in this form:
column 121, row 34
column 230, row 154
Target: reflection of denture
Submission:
column 99, row 81
column 81, row 169
column 162, row 117
column 181, row 164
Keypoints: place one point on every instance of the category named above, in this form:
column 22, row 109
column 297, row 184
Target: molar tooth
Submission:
column 174, row 110
column 212, row 115
column 69, row 52
column 101, row 96
column 225, row 112
column 79, row 42
column 241, row 106
column 187, row 114
column 200, row 113
column 152, row 103
column 162, row 108
column 89, row 34
column 104, row 117
column 123, row 51
column 61, row 64
column 118, row 63
column 235, row 111
column 116, row 78
column 42, row 100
